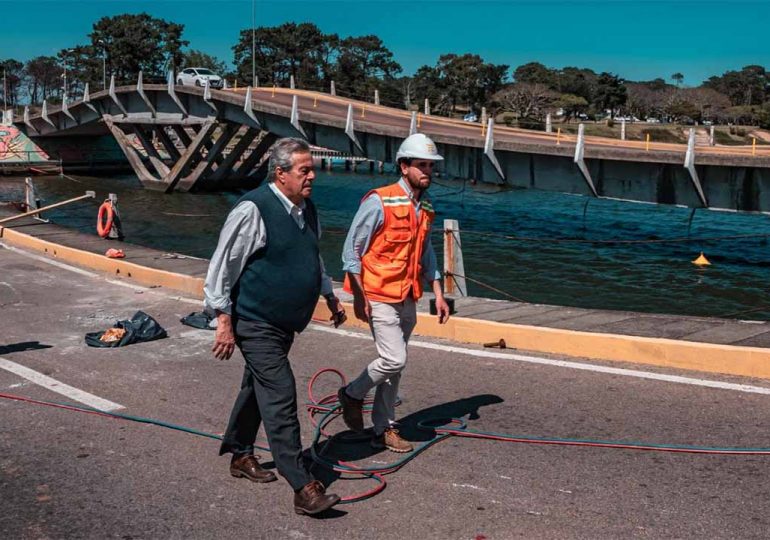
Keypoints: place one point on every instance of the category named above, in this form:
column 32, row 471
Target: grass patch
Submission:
column 663, row 135
column 721, row 137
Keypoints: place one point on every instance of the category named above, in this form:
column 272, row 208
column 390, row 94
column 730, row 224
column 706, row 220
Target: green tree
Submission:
column 428, row 84
column 136, row 43
column 571, row 104
column 749, row 86
column 535, row 73
column 611, row 93
column 14, row 74
column 468, row 80
column 43, row 77
column 361, row 63
column 577, row 81
column 678, row 78
column 83, row 66
column 280, row 52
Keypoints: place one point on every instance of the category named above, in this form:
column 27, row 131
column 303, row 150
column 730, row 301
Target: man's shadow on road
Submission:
column 346, row 446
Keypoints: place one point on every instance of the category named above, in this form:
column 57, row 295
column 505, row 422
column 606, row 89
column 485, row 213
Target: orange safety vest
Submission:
column 390, row 268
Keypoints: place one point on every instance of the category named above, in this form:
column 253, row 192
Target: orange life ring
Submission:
column 103, row 228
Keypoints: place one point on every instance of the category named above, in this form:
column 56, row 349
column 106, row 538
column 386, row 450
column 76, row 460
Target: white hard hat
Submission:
column 418, row 146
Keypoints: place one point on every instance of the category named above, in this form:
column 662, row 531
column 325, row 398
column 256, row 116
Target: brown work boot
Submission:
column 352, row 410
column 391, row 440
column 313, row 499
column 247, row 466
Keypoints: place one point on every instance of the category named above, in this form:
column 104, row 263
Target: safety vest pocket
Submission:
column 398, row 236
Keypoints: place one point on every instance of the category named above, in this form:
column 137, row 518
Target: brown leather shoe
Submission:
column 391, row 440
column 313, row 499
column 247, row 466
column 352, row 410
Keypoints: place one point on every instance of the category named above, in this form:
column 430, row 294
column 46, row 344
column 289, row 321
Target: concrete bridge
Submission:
column 190, row 138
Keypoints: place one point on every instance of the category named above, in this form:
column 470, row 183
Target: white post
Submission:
column 623, row 130
column 548, row 125
column 333, row 90
column 711, row 136
column 427, row 107
column 376, row 97
column 689, row 164
column 32, row 199
column 291, row 82
column 454, row 270
column 483, row 116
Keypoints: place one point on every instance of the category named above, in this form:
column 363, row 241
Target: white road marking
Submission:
column 565, row 364
column 59, row 387
column 471, row 486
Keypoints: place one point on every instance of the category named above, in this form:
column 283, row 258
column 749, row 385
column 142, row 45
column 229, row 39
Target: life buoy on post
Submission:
column 103, row 227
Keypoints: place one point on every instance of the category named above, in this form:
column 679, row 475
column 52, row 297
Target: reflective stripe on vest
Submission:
column 390, row 269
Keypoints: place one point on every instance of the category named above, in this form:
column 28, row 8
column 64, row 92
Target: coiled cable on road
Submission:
column 324, row 410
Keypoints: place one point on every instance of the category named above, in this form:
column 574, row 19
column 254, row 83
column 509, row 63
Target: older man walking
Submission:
column 263, row 283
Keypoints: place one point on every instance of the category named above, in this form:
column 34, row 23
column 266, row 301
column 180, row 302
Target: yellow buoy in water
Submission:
column 701, row 260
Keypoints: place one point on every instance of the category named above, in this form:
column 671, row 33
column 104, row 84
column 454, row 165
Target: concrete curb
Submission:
column 689, row 355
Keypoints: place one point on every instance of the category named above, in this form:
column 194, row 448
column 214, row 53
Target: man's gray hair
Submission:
column 281, row 154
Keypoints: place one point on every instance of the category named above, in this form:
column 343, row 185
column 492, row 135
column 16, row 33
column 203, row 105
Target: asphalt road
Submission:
column 65, row 474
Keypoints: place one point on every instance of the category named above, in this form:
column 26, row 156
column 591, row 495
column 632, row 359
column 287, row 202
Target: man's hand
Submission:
column 338, row 312
column 224, row 341
column 442, row 309
column 362, row 308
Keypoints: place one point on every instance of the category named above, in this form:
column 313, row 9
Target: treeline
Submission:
column 125, row 44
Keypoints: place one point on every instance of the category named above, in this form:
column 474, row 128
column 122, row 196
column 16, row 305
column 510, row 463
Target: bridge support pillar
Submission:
column 196, row 160
column 254, row 168
column 689, row 164
column 580, row 162
column 225, row 169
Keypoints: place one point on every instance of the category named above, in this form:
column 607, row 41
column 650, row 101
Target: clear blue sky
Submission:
column 638, row 40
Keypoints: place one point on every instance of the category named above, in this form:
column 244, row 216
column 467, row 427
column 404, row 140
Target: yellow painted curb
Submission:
column 708, row 357
column 115, row 267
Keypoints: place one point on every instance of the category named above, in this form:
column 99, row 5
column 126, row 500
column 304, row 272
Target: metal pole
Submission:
column 5, row 93
column 104, row 68
column 253, row 44
column 88, row 195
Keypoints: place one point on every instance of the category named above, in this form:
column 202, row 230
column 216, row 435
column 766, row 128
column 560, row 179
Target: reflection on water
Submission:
column 642, row 276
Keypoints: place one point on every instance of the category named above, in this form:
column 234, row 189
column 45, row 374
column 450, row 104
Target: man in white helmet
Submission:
column 387, row 255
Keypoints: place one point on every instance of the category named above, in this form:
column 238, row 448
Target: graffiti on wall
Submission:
column 16, row 147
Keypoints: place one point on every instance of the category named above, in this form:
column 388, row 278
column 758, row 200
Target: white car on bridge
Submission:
column 197, row 76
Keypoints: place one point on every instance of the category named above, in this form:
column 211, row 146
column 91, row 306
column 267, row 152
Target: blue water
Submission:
column 650, row 277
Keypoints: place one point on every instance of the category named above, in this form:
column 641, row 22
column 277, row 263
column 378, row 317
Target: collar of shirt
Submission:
column 295, row 211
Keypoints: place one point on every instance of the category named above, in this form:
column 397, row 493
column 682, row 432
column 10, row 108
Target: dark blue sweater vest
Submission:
column 281, row 282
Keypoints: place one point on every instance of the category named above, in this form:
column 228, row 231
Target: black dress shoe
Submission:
column 313, row 499
column 247, row 466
